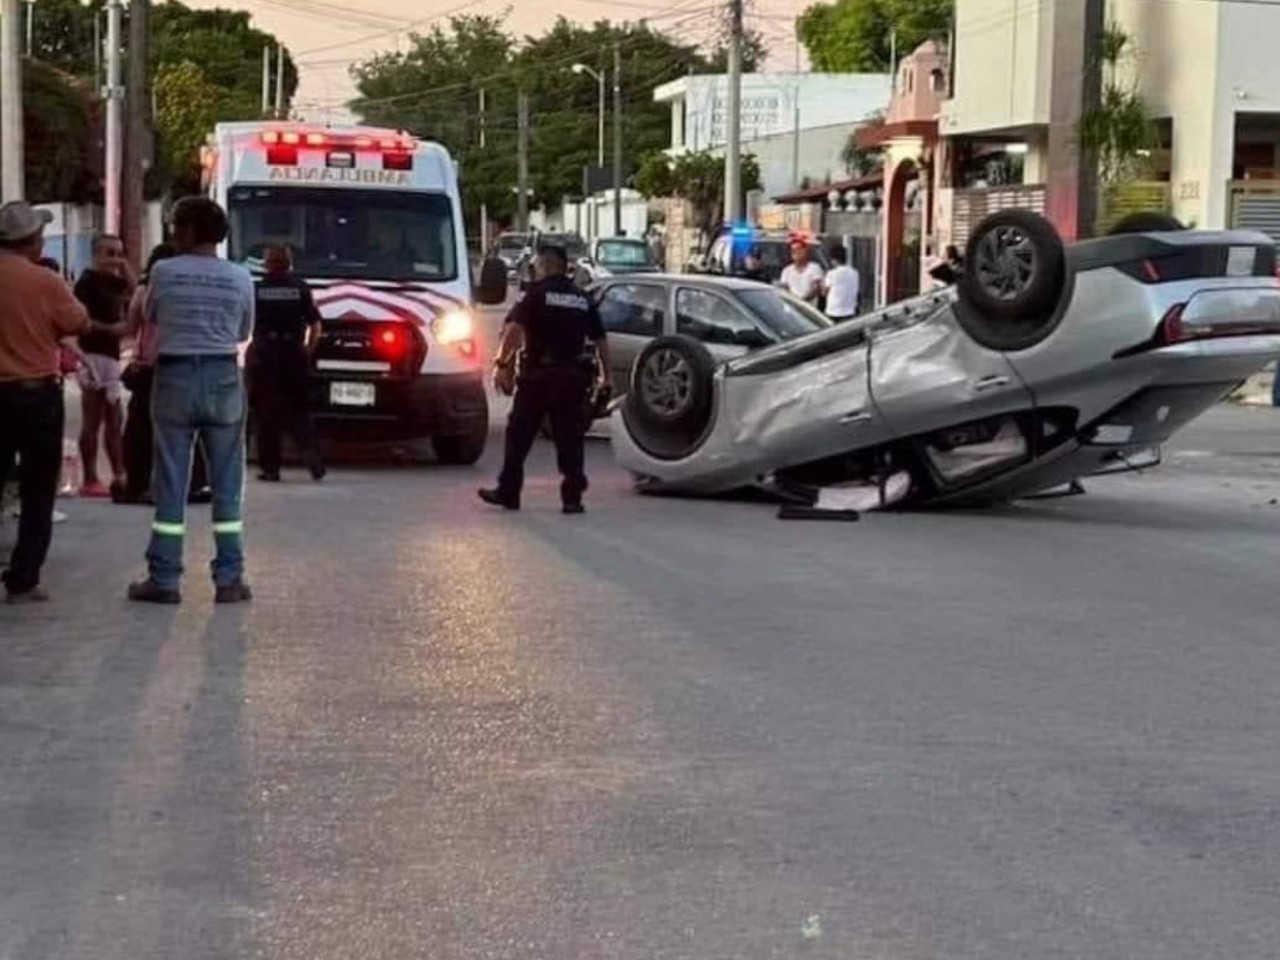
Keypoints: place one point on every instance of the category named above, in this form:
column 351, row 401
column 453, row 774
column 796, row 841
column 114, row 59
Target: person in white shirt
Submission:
column 842, row 285
column 802, row 276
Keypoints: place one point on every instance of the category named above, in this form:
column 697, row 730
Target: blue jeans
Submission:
column 197, row 396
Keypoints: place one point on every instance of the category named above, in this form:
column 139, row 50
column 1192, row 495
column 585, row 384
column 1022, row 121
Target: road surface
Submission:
column 666, row 729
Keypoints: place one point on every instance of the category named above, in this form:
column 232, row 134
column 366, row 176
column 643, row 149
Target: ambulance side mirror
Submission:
column 492, row 288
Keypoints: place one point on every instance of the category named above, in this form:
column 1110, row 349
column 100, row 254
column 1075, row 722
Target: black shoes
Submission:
column 495, row 498
column 573, row 509
column 200, row 495
column 148, row 591
column 266, row 477
column 237, row 592
column 34, row 595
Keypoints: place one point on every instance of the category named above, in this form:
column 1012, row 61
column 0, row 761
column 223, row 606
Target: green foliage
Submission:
column 58, row 122
column 433, row 89
column 697, row 177
column 855, row 36
column 1119, row 132
column 213, row 54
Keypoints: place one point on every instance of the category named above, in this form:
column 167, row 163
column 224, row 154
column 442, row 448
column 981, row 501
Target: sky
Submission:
column 326, row 36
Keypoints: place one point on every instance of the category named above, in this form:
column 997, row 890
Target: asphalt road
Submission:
column 667, row 729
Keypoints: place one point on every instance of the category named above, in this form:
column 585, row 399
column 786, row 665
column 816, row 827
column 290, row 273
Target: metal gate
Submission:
column 1255, row 205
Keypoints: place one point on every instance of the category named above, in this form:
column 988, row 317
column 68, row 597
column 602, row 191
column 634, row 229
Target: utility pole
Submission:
column 1071, row 200
column 266, row 81
column 279, row 82
column 115, row 139
column 137, row 149
column 484, row 208
column 522, row 164
column 1095, row 28
column 11, row 152
column 617, row 139
column 795, row 137
column 733, row 119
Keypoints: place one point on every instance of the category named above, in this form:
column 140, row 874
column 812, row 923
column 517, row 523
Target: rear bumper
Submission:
column 449, row 404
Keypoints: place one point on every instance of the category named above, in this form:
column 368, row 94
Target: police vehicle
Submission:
column 374, row 220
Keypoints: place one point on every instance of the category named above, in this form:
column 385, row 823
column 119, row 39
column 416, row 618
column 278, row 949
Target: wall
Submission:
column 820, row 150
column 1178, row 64
column 769, row 102
column 1003, row 65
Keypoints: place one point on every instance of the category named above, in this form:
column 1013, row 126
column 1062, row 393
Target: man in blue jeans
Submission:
column 202, row 308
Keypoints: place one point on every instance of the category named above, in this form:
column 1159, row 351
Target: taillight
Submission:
column 392, row 342
column 397, row 161
column 1240, row 312
column 1170, row 330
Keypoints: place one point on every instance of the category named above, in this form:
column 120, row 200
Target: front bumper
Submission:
column 429, row 405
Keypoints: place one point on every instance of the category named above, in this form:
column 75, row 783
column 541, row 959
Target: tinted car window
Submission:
column 634, row 308
column 713, row 319
column 783, row 314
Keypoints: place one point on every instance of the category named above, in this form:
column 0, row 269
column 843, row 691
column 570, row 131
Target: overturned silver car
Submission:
column 1042, row 365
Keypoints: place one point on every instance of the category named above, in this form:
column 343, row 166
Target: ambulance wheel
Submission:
column 461, row 450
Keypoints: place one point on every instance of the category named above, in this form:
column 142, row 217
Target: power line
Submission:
column 406, row 27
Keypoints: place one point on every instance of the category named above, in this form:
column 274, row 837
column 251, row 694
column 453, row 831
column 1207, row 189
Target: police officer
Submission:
column 286, row 321
column 552, row 323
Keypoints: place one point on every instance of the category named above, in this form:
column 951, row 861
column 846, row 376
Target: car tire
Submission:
column 460, row 450
column 671, row 384
column 1013, row 282
column 1146, row 221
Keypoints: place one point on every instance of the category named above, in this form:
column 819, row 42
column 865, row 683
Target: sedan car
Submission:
column 613, row 257
column 726, row 317
column 1042, row 365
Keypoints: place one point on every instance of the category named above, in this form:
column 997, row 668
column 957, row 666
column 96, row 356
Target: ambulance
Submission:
column 374, row 220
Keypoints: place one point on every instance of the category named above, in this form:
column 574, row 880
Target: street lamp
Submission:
column 580, row 69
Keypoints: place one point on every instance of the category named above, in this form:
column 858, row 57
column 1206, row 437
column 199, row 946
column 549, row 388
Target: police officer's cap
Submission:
column 555, row 250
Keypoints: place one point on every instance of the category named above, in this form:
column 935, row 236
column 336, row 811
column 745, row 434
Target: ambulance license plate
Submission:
column 352, row 394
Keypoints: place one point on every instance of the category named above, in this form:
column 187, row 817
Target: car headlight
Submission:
column 455, row 328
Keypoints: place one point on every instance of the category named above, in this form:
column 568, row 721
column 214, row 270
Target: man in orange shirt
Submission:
column 39, row 313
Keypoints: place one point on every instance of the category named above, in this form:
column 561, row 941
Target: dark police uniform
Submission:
column 558, row 319
column 280, row 370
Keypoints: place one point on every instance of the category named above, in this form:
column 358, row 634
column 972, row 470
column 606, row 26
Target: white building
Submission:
column 1208, row 73
column 824, row 107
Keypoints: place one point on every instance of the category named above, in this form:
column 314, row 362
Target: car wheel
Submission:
column 1148, row 221
column 1014, row 280
column 461, row 450
column 671, row 383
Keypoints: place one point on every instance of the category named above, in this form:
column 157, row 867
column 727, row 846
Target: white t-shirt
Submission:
column 842, row 291
column 802, row 283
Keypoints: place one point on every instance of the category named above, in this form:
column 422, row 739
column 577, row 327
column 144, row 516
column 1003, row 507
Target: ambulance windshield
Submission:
column 361, row 234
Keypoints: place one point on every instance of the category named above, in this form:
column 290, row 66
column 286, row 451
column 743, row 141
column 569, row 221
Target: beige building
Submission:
column 1208, row 72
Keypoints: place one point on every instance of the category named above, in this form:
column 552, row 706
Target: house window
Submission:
column 908, row 76
column 938, row 80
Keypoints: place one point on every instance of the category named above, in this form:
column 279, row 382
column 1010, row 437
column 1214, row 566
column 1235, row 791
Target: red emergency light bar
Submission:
column 293, row 138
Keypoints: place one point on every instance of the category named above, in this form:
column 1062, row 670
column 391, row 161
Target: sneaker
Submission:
column 318, row 471
column 573, row 509
column 237, row 592
column 148, row 591
column 34, row 595
column 495, row 498
column 94, row 491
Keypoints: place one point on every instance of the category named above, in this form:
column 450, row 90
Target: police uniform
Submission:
column 280, row 370
column 558, row 319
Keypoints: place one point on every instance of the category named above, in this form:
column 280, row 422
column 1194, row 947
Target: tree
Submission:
column 215, row 53
column 59, row 122
column 863, row 161
column 697, row 177
column 1118, row 132
column 433, row 89
column 858, row 36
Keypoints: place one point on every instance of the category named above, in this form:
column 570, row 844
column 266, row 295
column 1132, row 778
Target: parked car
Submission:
column 729, row 249
column 725, row 316
column 572, row 244
column 1041, row 366
column 615, row 256
column 511, row 248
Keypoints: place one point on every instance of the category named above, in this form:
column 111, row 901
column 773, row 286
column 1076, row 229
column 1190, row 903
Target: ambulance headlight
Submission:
column 455, row 329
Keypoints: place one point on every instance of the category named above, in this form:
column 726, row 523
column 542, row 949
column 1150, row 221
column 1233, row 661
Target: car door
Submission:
column 931, row 375
column 633, row 314
column 717, row 322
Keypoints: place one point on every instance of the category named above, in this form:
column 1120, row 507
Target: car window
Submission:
column 622, row 253
column 711, row 318
column 635, row 308
column 782, row 313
